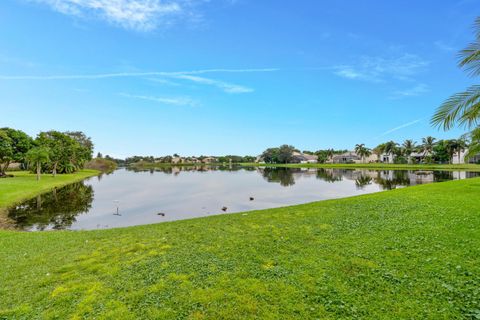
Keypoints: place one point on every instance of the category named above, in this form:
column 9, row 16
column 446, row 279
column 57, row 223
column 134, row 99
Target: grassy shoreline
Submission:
column 24, row 186
column 406, row 253
column 373, row 166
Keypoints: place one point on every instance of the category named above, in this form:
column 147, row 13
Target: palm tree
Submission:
column 408, row 148
column 330, row 153
column 362, row 151
column 391, row 148
column 451, row 147
column 427, row 145
column 37, row 156
column 463, row 108
column 461, row 147
column 379, row 150
column 474, row 147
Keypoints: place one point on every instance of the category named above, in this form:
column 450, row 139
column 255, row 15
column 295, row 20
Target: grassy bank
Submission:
column 24, row 185
column 375, row 166
column 101, row 164
column 408, row 253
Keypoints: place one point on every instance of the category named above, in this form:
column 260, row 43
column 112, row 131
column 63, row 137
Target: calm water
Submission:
column 126, row 198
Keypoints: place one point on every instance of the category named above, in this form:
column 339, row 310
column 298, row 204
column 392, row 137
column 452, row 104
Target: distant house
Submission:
column 387, row 158
column 460, row 160
column 419, row 157
column 347, row 157
column 177, row 160
column 299, row 157
column 351, row 157
column 209, row 160
column 259, row 159
column 194, row 160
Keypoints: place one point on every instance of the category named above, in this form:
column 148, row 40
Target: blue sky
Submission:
column 230, row 76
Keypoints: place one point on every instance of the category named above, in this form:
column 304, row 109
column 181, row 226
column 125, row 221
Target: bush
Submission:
column 400, row 160
column 101, row 164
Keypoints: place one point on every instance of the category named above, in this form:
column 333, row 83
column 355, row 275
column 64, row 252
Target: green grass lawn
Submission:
column 25, row 186
column 411, row 253
column 376, row 166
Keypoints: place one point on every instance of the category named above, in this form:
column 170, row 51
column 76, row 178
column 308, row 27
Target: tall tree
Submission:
column 62, row 150
column 427, row 145
column 37, row 157
column 330, row 153
column 362, row 151
column 391, row 148
column 285, row 153
column 408, row 148
column 83, row 150
column 463, row 108
column 20, row 143
column 270, row 155
column 6, row 152
column 379, row 150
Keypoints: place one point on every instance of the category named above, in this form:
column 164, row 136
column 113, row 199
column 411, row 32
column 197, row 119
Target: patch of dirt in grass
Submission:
column 5, row 222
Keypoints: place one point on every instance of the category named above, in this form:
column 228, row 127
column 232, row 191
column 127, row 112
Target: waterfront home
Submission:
column 299, row 157
column 259, row 159
column 177, row 160
column 209, row 160
column 353, row 157
column 460, row 159
column 194, row 160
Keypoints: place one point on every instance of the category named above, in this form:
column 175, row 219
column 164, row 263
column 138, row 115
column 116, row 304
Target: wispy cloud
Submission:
column 226, row 87
column 417, row 90
column 140, row 15
column 130, row 74
column 379, row 69
column 180, row 75
column 175, row 101
column 405, row 125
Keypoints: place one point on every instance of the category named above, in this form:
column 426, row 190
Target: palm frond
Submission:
column 463, row 107
column 474, row 147
column 469, row 58
column 476, row 27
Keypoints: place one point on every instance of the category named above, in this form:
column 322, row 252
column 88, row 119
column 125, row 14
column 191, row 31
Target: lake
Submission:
column 127, row 197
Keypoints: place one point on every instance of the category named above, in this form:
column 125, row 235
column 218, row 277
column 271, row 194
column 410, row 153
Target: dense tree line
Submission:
column 51, row 151
column 170, row 158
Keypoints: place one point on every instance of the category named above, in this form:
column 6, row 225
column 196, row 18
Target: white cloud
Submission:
column 411, row 92
column 349, row 72
column 226, row 87
column 180, row 75
column 176, row 101
column 130, row 74
column 379, row 69
column 141, row 15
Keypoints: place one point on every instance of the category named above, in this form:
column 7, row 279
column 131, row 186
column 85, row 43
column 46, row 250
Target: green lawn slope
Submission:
column 411, row 253
column 24, row 185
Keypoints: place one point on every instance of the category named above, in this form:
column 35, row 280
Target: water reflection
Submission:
column 55, row 210
column 284, row 176
column 132, row 196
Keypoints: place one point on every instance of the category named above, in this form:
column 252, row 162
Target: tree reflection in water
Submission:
column 362, row 181
column 391, row 179
column 56, row 209
column 282, row 175
column 329, row 175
